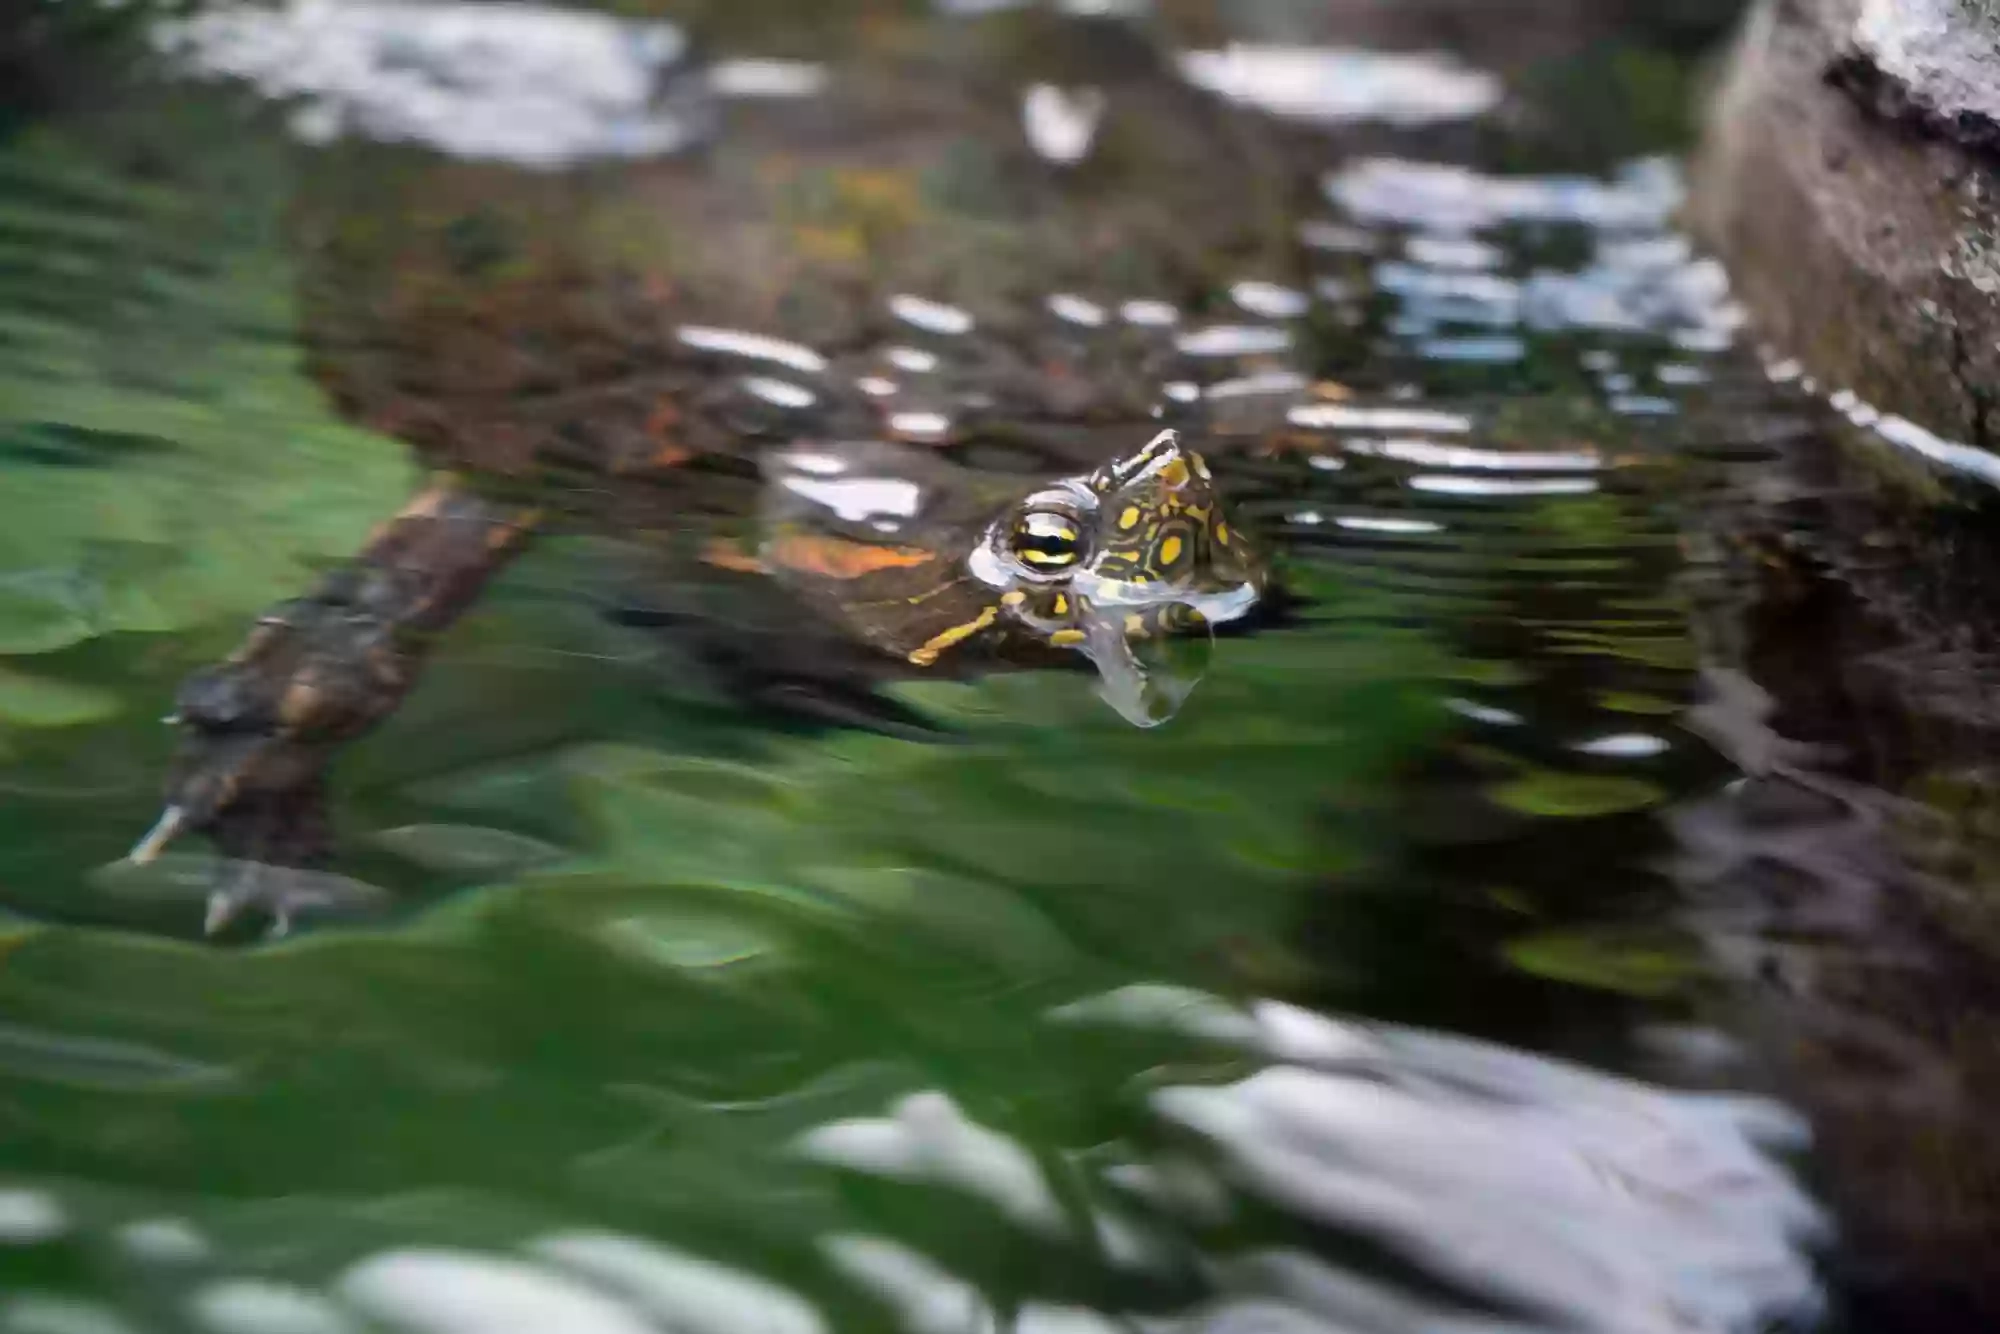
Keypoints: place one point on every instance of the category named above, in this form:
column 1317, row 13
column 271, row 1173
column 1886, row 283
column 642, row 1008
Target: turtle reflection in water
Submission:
column 721, row 356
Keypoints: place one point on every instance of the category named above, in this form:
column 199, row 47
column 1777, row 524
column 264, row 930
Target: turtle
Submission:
column 875, row 347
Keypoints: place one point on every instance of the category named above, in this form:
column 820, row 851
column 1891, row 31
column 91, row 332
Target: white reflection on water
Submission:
column 1454, row 200
column 1453, row 485
column 259, row 1306
column 756, row 347
column 1637, row 276
column 779, row 393
column 40, row 1313
column 1496, row 299
column 1368, row 523
column 930, row 316
column 859, row 499
column 30, row 1216
column 1624, row 746
column 520, row 83
column 1350, row 417
column 920, row 425
column 1429, row 454
column 686, row 1293
column 1906, row 434
column 1658, row 1217
column 1484, row 713
column 1152, row 314
column 1060, row 123
column 1336, row 238
column 1271, row 301
column 929, row 1299
column 1581, row 1200
column 763, row 78
column 1334, row 85
column 926, row 1138
column 1234, row 340
column 1256, row 386
column 912, row 359
column 1076, row 309
column 1641, row 405
column 464, row 1292
column 164, row 1241
column 1490, row 350
column 1290, row 1292
column 1452, row 252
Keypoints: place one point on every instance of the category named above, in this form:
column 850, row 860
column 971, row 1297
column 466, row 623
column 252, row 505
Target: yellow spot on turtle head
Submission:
column 1170, row 550
column 1129, row 520
column 928, row 654
column 1175, row 474
column 1135, row 624
column 1066, row 638
column 1222, row 533
column 1060, row 606
column 1013, row 599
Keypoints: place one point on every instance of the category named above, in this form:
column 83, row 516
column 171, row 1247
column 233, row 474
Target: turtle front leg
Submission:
column 260, row 727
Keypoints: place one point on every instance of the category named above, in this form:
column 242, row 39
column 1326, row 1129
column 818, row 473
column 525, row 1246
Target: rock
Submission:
column 1848, row 179
column 1936, row 60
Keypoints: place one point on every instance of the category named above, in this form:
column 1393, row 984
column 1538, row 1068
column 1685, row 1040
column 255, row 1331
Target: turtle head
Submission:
column 1131, row 565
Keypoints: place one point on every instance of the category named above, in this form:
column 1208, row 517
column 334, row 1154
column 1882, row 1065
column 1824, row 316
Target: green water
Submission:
column 663, row 965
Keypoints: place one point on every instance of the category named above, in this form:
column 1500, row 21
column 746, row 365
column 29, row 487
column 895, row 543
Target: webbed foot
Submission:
column 283, row 895
column 259, row 728
column 272, row 898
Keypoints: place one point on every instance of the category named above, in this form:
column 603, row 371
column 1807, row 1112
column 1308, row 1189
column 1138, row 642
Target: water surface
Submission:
column 1365, row 995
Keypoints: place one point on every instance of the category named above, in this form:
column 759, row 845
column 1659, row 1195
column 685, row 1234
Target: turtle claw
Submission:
column 173, row 820
column 222, row 910
column 225, row 907
column 282, row 893
column 256, row 732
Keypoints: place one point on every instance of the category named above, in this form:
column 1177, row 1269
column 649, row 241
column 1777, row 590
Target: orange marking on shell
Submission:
column 840, row 558
column 660, row 424
column 500, row 536
column 301, row 700
column 724, row 554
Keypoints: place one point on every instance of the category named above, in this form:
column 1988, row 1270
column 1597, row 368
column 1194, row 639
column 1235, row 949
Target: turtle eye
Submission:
column 1046, row 540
